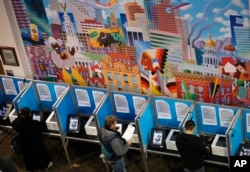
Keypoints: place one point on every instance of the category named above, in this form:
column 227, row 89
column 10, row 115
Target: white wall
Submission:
column 10, row 36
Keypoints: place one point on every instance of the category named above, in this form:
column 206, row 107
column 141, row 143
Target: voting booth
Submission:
column 10, row 87
column 125, row 106
column 215, row 121
column 239, row 134
column 159, row 122
column 75, row 112
column 40, row 97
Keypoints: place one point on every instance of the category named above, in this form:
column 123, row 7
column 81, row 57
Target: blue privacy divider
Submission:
column 28, row 99
column 48, row 93
column 214, row 118
column 64, row 107
column 169, row 112
column 235, row 134
column 104, row 110
column 87, row 99
column 10, row 87
column 145, row 122
column 127, row 105
column 246, row 123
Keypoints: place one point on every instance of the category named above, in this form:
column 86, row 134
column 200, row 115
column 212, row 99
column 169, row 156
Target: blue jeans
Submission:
column 118, row 166
column 202, row 169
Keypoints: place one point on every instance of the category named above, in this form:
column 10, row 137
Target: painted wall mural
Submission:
column 188, row 49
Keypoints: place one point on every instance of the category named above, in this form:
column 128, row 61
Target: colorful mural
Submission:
column 188, row 49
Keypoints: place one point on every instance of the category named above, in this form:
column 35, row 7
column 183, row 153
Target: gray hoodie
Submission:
column 113, row 141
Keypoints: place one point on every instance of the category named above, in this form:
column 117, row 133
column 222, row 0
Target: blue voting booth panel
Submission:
column 170, row 112
column 11, row 87
column 104, row 110
column 28, row 99
column 213, row 118
column 127, row 105
column 235, row 134
column 48, row 93
column 246, row 123
column 64, row 107
column 87, row 99
column 145, row 122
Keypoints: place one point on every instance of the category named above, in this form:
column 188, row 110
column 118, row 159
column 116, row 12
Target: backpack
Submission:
column 105, row 151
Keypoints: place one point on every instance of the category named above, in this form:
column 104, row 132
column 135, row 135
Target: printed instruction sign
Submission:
column 208, row 115
column 121, row 103
column 21, row 85
column 226, row 116
column 43, row 92
column 59, row 90
column 138, row 103
column 248, row 122
column 82, row 97
column 163, row 109
column 181, row 110
column 9, row 86
column 98, row 95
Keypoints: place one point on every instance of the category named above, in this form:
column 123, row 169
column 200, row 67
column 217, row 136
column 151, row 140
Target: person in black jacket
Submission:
column 191, row 149
column 34, row 151
column 113, row 143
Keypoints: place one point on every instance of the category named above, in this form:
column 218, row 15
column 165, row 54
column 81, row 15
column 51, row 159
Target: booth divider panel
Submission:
column 145, row 122
column 29, row 99
column 214, row 119
column 127, row 105
column 235, row 135
column 104, row 110
column 63, row 109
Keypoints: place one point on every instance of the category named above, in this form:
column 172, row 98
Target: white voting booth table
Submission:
column 10, row 87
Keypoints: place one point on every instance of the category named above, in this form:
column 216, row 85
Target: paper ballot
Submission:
column 129, row 132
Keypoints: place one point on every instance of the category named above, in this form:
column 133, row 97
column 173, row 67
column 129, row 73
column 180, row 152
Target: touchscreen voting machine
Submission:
column 74, row 123
column 157, row 138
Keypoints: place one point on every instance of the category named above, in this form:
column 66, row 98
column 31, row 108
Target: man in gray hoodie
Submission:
column 114, row 146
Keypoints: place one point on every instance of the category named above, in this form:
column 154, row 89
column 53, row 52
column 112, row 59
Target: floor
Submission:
column 84, row 157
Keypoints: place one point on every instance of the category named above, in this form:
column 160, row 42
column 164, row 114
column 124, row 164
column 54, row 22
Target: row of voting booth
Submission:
column 78, row 112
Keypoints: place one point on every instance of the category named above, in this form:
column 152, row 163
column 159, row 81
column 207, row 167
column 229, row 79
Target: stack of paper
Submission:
column 129, row 132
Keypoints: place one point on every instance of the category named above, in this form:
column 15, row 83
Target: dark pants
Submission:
column 118, row 166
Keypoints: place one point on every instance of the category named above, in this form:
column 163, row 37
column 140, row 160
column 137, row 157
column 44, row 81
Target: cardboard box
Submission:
column 51, row 122
column 170, row 140
column 12, row 115
column 90, row 126
column 219, row 145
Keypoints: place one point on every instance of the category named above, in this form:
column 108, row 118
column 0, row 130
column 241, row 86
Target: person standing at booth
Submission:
column 33, row 149
column 191, row 149
column 114, row 144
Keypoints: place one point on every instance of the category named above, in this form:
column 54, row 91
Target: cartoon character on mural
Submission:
column 106, row 37
column 65, row 60
column 153, row 60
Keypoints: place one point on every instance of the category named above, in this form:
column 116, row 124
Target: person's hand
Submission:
column 129, row 142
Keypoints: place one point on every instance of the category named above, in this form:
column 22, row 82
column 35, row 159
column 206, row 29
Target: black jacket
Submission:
column 33, row 148
column 192, row 151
